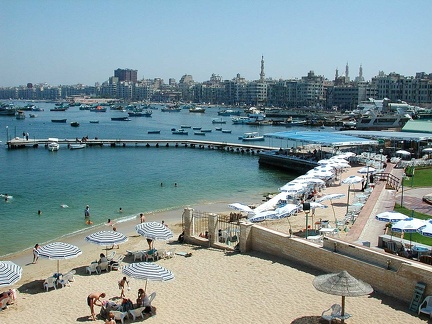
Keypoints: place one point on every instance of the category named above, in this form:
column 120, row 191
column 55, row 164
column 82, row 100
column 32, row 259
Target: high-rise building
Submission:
column 128, row 75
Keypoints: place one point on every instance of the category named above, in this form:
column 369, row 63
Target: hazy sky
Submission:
column 84, row 41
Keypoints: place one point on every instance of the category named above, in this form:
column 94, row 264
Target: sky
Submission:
column 84, row 41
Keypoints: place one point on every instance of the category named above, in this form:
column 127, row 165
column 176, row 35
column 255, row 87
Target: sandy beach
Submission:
column 211, row 286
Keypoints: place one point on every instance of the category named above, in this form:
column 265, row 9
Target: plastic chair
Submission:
column 93, row 267
column 151, row 297
column 111, row 255
column 116, row 264
column 119, row 315
column 137, row 312
column 50, row 283
column 426, row 306
column 153, row 254
column 335, row 313
column 104, row 266
column 67, row 279
column 138, row 255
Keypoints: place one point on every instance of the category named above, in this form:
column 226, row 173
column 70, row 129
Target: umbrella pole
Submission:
column 343, row 310
column 58, row 266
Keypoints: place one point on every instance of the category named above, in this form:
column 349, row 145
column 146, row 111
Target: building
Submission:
column 128, row 75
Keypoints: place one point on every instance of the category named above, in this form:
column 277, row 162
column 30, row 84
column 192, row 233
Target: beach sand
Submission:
column 211, row 286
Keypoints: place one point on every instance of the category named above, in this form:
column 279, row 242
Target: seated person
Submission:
column 142, row 299
column 102, row 258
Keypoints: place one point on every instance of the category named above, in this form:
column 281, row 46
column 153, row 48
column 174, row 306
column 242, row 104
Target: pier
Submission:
column 18, row 143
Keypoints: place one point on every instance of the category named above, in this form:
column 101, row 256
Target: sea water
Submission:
column 137, row 179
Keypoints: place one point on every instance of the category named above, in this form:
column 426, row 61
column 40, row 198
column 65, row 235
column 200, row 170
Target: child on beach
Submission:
column 35, row 254
column 121, row 285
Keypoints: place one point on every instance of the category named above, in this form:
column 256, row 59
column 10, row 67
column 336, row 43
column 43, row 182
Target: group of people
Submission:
column 142, row 300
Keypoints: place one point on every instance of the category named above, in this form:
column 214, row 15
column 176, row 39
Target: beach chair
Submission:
column 104, row 266
column 50, row 283
column 170, row 253
column 116, row 264
column 66, row 279
column 426, row 306
column 119, row 316
column 137, row 312
column 93, row 267
column 335, row 313
column 111, row 255
column 153, row 254
column 138, row 255
column 150, row 299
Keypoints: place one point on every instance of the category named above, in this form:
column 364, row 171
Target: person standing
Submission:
column 142, row 218
column 87, row 211
column 27, row 136
column 94, row 299
column 35, row 253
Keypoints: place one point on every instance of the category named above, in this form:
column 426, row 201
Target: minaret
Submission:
column 337, row 74
column 262, row 75
column 347, row 72
column 361, row 73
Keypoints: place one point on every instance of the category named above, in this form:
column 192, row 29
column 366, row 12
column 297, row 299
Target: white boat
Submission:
column 180, row 131
column 226, row 131
column 252, row 136
column 197, row 110
column 240, row 120
column 53, row 144
column 77, row 146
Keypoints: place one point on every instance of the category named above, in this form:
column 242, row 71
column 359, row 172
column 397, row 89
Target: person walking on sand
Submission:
column 35, row 253
column 94, row 299
column 121, row 285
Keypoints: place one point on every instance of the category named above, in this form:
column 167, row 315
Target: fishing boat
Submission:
column 59, row 120
column 240, row 120
column 185, row 126
column 74, row 124
column 32, row 115
column 218, row 128
column 94, row 121
column 196, row 128
column 77, row 146
column 218, row 121
column 98, row 109
column 147, row 113
column 226, row 131
column 153, row 131
column 197, row 110
column 180, row 131
column 250, row 137
column 20, row 114
column 199, row 133
column 229, row 112
column 207, row 130
column 53, row 144
column 125, row 118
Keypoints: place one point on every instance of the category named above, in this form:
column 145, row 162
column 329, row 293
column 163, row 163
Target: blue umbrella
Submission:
column 409, row 225
column 426, row 230
column 10, row 273
column 391, row 216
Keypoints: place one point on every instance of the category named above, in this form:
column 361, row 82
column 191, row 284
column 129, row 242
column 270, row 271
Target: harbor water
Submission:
column 136, row 179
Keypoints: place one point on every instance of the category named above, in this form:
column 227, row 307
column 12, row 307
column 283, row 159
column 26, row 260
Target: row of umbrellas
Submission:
column 10, row 272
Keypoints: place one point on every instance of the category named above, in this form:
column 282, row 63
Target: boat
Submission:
column 98, row 109
column 185, row 126
column 59, row 120
column 7, row 110
column 77, row 146
column 94, row 121
column 197, row 110
column 252, row 136
column 32, row 115
column 147, row 113
column 154, row 131
column 180, row 131
column 293, row 123
column 53, row 144
column 20, row 114
column 218, row 128
column 196, row 128
column 240, row 120
column 171, row 108
column 375, row 121
column 206, row 130
column 226, row 131
column 218, row 121
column 125, row 118
column 74, row 124
column 229, row 112
column 199, row 133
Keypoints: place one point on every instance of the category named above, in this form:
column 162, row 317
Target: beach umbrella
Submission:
column 342, row 284
column 426, row 230
column 154, row 231
column 294, row 187
column 409, row 225
column 330, row 197
column 284, row 211
column 58, row 251
column 403, row 152
column 10, row 273
column 391, row 216
column 314, row 205
column 352, row 180
column 107, row 238
column 241, row 207
column 147, row 271
column 366, row 170
column 259, row 217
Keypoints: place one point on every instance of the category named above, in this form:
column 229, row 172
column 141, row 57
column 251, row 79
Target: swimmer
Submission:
column 120, row 210
column 64, row 206
column 39, row 212
column 109, row 222
column 89, row 222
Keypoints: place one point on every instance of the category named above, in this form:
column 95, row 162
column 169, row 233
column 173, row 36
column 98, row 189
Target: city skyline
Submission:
column 83, row 42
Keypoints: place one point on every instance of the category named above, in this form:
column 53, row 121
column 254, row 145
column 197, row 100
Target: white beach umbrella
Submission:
column 284, row 211
column 314, row 205
column 403, row 152
column 107, row 238
column 147, row 271
column 259, row 217
column 241, row 207
column 366, row 170
column 426, row 230
column 293, row 187
column 352, row 180
column 391, row 216
column 330, row 197
column 427, row 150
column 409, row 225
column 10, row 273
column 58, row 251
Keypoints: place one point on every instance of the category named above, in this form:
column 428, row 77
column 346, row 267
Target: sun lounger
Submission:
column 137, row 312
column 50, row 283
column 119, row 315
column 185, row 254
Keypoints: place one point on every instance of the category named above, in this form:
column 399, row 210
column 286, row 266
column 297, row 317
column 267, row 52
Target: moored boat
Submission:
column 197, row 110
column 59, row 120
column 180, row 131
column 218, row 121
column 20, row 114
column 74, row 124
column 147, row 113
column 207, row 130
column 153, row 131
column 226, row 131
column 77, row 146
column 94, row 121
column 252, row 136
column 125, row 118
column 53, row 144
column 199, row 133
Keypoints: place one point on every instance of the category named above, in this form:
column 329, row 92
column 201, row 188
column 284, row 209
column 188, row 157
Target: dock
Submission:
column 19, row 143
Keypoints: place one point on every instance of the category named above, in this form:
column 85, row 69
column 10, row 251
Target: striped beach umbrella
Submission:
column 58, row 251
column 10, row 273
column 107, row 238
column 154, row 231
column 147, row 271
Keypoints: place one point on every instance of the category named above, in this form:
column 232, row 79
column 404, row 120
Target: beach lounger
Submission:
column 138, row 255
column 137, row 312
column 119, row 316
column 334, row 314
column 170, row 253
column 116, row 264
column 50, row 283
column 93, row 267
column 426, row 306
column 66, row 279
column 111, row 255
column 153, row 254
column 150, row 299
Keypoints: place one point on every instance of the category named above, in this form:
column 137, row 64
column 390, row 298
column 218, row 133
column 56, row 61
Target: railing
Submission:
column 390, row 179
